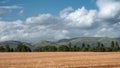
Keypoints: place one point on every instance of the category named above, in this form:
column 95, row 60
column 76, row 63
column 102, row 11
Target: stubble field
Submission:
column 60, row 60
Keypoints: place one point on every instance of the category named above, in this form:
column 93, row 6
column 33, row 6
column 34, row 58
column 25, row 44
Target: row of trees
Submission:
column 20, row 48
column 114, row 47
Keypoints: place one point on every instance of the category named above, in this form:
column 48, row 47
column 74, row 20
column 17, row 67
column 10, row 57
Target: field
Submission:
column 60, row 60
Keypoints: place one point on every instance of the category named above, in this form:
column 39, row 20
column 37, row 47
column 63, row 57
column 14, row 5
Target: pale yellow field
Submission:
column 60, row 60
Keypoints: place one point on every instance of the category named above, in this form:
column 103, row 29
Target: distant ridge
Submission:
column 78, row 41
column 74, row 41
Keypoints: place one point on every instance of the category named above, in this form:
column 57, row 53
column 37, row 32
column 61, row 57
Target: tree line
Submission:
column 20, row 48
column 100, row 47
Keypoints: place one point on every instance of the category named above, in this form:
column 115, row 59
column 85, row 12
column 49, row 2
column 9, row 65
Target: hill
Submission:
column 74, row 41
column 78, row 41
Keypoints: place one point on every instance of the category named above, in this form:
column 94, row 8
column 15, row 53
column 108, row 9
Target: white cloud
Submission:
column 71, row 23
column 65, row 12
column 61, row 34
column 22, row 30
column 40, row 19
column 109, row 10
column 80, row 18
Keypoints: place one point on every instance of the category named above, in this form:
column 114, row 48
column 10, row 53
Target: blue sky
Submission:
column 33, row 20
column 36, row 7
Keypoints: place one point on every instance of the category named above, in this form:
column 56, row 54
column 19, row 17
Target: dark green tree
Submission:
column 108, row 49
column 38, row 49
column 7, row 48
column 75, row 48
column 89, row 48
column 22, row 48
column 117, row 44
column 102, row 48
column 112, row 44
column 96, row 48
column 70, row 47
column 49, row 48
column 11, row 50
column 63, row 48
column 83, row 48
column 2, row 49
column 116, row 47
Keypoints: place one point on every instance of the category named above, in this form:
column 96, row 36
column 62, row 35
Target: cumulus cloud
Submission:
column 109, row 10
column 44, row 19
column 70, row 23
column 107, row 7
column 65, row 12
column 24, row 31
column 80, row 18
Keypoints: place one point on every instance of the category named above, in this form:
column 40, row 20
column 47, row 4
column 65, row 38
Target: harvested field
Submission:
column 60, row 60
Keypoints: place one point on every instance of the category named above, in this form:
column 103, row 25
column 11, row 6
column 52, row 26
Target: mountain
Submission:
column 78, row 41
column 42, row 43
column 74, row 41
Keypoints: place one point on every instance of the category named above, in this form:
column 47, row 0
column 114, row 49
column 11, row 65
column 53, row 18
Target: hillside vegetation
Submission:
column 84, row 46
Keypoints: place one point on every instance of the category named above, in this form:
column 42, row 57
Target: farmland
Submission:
column 60, row 60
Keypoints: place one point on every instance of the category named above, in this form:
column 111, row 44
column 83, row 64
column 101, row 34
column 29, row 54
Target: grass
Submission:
column 60, row 60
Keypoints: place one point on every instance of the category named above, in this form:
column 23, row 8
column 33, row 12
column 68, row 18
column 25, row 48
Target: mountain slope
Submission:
column 74, row 41
column 78, row 41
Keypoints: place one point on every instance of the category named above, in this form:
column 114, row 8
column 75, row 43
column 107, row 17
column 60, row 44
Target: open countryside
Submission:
column 59, row 33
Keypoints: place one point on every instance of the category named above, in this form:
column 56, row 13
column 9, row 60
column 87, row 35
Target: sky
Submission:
column 32, row 20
